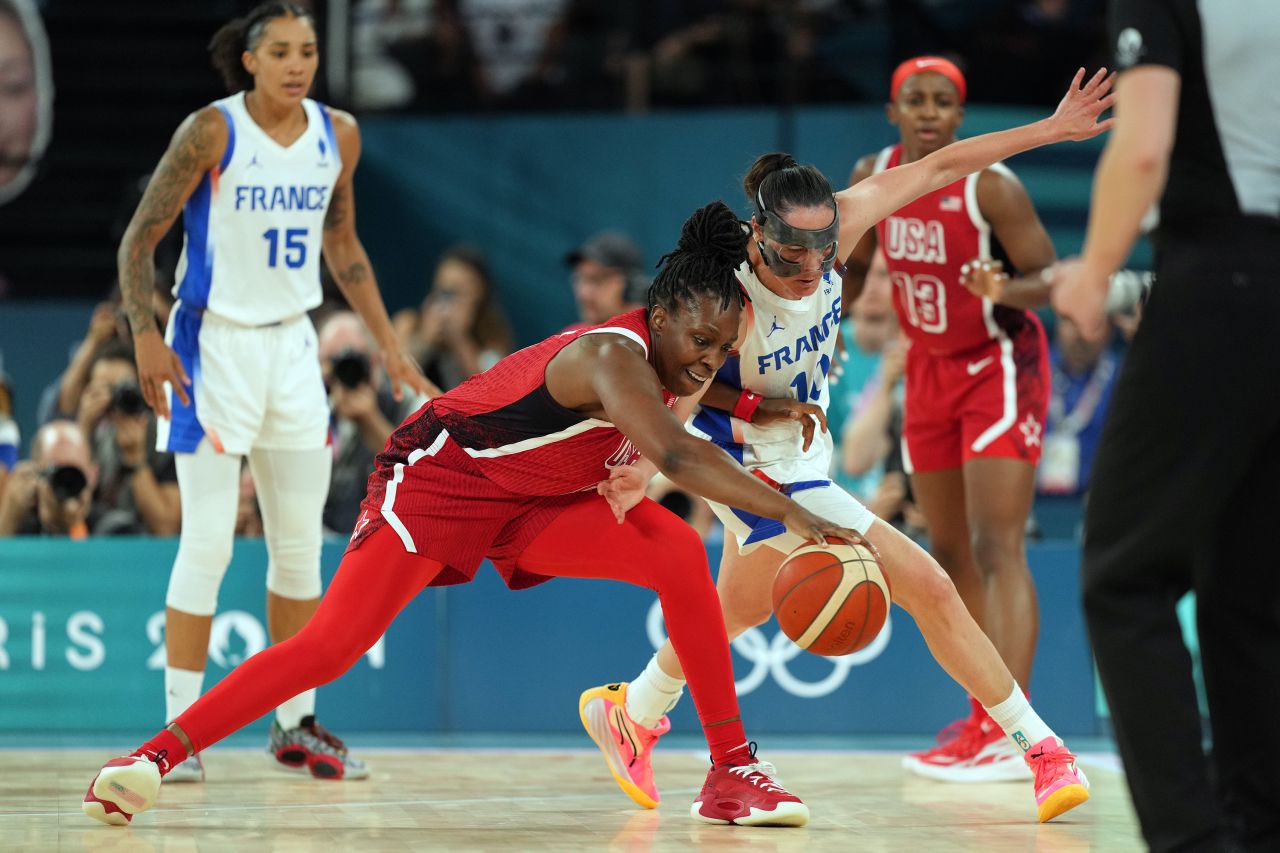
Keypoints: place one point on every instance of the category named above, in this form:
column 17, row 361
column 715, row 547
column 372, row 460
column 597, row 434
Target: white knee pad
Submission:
column 292, row 486
column 209, row 485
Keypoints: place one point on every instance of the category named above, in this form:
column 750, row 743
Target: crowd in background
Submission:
column 449, row 55
column 92, row 466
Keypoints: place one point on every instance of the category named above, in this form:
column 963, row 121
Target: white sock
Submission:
column 181, row 690
column 1020, row 722
column 291, row 712
column 652, row 694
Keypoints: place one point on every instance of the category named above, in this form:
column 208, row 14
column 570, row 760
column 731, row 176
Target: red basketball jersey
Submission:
column 925, row 243
column 513, row 431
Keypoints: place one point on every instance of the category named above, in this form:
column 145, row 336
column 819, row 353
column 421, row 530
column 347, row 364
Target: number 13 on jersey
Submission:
column 925, row 299
column 295, row 247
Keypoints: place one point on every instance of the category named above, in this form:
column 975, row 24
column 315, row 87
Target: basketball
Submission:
column 831, row 601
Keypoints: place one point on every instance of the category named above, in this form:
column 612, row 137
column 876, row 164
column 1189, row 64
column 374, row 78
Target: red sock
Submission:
column 165, row 749
column 728, row 744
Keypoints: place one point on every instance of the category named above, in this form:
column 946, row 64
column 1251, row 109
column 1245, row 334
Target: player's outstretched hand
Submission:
column 402, row 370
column 623, row 490
column 809, row 526
column 1077, row 115
column 1080, row 295
column 776, row 410
column 158, row 364
column 985, row 279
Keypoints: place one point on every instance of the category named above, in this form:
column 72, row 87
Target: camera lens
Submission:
column 66, row 481
column 127, row 399
column 351, row 368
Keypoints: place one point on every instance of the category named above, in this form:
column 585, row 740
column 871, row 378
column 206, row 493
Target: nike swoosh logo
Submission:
column 974, row 367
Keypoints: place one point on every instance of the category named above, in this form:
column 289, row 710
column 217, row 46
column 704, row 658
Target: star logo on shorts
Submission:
column 364, row 519
column 1030, row 428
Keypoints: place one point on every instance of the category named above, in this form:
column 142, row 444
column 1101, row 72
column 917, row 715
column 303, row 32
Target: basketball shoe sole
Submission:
column 997, row 761
column 603, row 715
column 123, row 788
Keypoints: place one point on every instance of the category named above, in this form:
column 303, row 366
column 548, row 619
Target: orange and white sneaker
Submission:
column 627, row 745
column 1060, row 784
column 123, row 788
column 748, row 795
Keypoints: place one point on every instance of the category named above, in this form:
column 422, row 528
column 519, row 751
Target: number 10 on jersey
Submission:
column 295, row 247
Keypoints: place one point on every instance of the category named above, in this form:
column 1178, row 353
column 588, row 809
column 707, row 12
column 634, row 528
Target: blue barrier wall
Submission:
column 81, row 651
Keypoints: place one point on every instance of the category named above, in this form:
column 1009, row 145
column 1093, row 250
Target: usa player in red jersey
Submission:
column 977, row 384
column 507, row 466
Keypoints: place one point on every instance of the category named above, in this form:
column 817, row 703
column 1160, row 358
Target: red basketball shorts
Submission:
column 442, row 507
column 990, row 401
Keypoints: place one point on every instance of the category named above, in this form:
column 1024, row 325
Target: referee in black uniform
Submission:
column 1185, row 492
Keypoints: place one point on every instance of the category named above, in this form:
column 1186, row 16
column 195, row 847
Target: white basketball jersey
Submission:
column 254, row 225
column 785, row 351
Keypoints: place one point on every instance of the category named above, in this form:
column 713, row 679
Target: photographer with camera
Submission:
column 137, row 488
column 51, row 493
column 364, row 413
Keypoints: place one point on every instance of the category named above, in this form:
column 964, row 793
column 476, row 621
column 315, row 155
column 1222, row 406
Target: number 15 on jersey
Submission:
column 295, row 247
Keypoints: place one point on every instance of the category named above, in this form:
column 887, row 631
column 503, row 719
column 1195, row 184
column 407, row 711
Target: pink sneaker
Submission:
column 627, row 745
column 748, row 795
column 1060, row 784
column 123, row 788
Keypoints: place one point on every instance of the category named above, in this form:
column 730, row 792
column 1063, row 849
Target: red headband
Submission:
column 936, row 64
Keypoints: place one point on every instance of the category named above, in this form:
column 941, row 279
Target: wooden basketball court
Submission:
column 500, row 800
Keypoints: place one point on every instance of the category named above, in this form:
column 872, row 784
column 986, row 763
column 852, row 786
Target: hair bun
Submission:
column 717, row 231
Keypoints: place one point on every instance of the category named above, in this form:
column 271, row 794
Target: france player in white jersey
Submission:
column 263, row 179
column 764, row 408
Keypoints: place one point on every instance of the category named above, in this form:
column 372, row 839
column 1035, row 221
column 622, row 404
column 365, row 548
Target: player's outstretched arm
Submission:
column 197, row 146
column 630, row 397
column 349, row 265
column 867, row 202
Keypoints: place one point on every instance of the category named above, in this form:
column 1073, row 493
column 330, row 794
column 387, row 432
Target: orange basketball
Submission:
column 831, row 601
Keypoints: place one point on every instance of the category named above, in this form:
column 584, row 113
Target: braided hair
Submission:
column 241, row 34
column 713, row 244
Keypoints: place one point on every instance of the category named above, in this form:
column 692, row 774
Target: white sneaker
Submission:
column 191, row 770
column 999, row 760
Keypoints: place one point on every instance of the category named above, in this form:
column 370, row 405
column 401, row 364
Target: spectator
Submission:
column 872, row 326
column 363, row 414
column 460, row 330
column 26, row 93
column 1084, row 373
column 137, row 489
column 608, row 278
column 60, row 400
column 51, row 493
column 10, row 438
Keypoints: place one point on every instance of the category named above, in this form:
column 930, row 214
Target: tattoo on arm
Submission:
column 336, row 216
column 165, row 195
column 356, row 274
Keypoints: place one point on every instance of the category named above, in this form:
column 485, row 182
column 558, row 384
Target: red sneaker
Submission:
column 958, row 743
column 748, row 795
column 123, row 788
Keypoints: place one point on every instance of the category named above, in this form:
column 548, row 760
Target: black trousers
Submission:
column 1185, row 494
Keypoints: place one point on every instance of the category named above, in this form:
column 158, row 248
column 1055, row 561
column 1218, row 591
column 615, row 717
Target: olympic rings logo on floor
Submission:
column 771, row 657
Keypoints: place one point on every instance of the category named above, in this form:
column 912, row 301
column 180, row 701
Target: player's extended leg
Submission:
column 292, row 486
column 744, row 587
column 940, row 494
column 209, row 484
column 655, row 549
column 998, row 496
column 371, row 586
